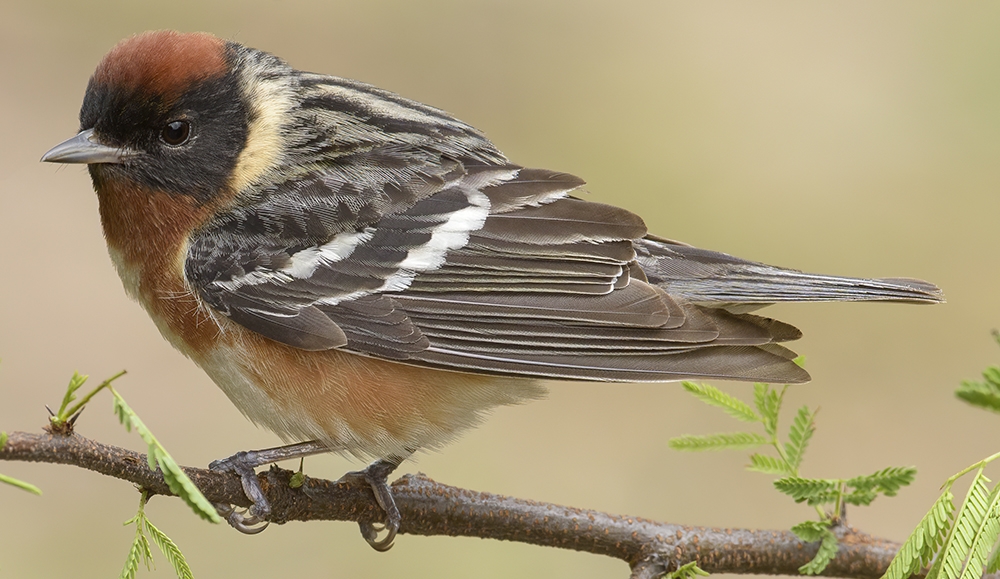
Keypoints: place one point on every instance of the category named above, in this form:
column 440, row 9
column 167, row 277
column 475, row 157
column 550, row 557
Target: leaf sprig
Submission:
column 958, row 545
column 180, row 484
column 786, row 461
column 158, row 457
column 985, row 394
column 140, row 551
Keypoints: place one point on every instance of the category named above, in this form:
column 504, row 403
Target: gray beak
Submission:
column 84, row 148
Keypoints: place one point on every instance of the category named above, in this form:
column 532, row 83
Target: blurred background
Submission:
column 853, row 138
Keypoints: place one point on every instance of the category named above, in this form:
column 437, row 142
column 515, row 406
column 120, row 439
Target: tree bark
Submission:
column 431, row 508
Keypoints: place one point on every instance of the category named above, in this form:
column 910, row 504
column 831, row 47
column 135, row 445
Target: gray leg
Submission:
column 376, row 475
column 253, row 520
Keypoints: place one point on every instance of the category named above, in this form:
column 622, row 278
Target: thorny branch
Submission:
column 432, row 508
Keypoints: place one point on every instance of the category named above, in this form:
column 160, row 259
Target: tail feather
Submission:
column 712, row 278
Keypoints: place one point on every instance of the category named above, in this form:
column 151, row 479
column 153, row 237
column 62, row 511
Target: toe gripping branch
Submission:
column 253, row 520
column 377, row 477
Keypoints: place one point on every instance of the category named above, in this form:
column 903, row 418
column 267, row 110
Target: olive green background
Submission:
column 841, row 137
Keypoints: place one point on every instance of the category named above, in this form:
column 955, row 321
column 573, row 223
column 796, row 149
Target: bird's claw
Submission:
column 254, row 519
column 241, row 519
column 376, row 475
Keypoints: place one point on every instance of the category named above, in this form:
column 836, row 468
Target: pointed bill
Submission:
column 84, row 148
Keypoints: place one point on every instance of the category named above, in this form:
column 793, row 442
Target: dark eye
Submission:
column 176, row 133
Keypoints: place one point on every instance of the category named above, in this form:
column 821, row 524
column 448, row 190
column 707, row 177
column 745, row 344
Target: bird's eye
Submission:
column 176, row 133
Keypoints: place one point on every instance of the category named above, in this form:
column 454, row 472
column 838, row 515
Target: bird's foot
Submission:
column 254, row 519
column 376, row 475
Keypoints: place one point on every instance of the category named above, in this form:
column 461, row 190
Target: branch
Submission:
column 432, row 508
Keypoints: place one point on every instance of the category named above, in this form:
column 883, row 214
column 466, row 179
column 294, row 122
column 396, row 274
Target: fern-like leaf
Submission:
column 760, row 391
column 919, row 549
column 768, row 401
column 825, row 498
column 75, row 383
column 798, row 437
column 985, row 395
column 993, row 565
column 985, row 538
column 811, row 531
column 715, row 397
column 887, row 481
column 726, row 441
column 139, row 552
column 66, row 413
column 769, row 465
column 806, row 489
column 860, row 498
column 971, row 516
column 179, row 483
column 170, row 551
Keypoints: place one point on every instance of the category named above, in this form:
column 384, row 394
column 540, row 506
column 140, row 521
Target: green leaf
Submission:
column 768, row 403
column 687, row 571
column 992, row 376
column 760, row 397
column 985, row 538
column 170, row 551
column 861, row 498
column 769, row 465
column 824, row 498
column 887, row 481
column 158, row 456
column 980, row 394
column 139, row 551
column 919, row 549
column 971, row 516
column 726, row 441
column 806, row 489
column 20, row 484
column 799, row 434
column 984, row 394
column 75, row 383
column 812, row 531
column 715, row 397
column 13, row 481
column 993, row 565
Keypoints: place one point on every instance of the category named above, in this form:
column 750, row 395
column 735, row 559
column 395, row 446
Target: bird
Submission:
column 364, row 274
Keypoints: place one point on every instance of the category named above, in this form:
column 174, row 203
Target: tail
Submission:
column 716, row 279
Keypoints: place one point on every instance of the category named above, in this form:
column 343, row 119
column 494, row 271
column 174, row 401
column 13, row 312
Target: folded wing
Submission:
column 498, row 270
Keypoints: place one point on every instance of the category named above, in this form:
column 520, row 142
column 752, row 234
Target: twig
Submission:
column 432, row 508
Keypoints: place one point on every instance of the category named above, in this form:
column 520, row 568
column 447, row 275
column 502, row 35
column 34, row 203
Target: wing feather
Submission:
column 727, row 362
column 477, row 268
